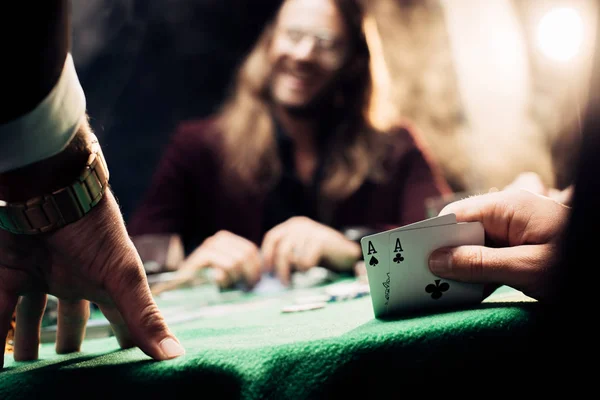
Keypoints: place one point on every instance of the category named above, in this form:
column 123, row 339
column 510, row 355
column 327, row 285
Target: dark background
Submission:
column 145, row 65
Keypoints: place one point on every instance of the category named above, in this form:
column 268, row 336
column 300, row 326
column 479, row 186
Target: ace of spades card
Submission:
column 377, row 262
column 413, row 286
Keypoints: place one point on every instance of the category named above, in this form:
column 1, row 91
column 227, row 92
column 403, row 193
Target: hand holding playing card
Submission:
column 301, row 243
column 524, row 230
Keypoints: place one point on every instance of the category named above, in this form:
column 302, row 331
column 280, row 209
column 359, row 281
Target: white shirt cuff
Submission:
column 48, row 128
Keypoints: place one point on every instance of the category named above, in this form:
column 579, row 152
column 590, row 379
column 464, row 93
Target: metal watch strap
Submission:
column 49, row 212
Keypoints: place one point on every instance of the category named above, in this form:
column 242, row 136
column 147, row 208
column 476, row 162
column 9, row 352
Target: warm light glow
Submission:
column 379, row 109
column 560, row 34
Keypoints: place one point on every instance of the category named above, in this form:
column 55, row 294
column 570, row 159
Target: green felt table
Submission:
column 245, row 347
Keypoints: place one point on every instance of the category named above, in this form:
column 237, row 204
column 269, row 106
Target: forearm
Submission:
column 51, row 174
column 36, row 57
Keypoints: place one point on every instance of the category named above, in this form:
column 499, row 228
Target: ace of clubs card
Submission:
column 413, row 286
column 375, row 249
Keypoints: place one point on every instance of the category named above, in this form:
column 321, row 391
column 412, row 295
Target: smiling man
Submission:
column 309, row 47
column 273, row 180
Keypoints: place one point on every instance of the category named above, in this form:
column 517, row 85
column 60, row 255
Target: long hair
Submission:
column 245, row 120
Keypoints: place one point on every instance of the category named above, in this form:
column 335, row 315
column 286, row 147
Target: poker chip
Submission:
column 302, row 307
column 319, row 298
column 346, row 291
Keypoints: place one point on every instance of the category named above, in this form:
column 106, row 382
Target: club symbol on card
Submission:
column 437, row 289
column 374, row 261
column 398, row 258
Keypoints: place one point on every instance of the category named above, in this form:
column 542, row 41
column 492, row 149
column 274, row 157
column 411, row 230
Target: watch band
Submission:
column 50, row 212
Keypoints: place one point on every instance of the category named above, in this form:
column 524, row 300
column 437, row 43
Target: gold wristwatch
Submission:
column 52, row 211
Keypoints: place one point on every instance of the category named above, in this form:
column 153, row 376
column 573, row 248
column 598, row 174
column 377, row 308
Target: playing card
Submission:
column 376, row 257
column 413, row 286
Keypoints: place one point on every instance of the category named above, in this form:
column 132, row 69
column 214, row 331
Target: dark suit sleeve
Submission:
column 32, row 60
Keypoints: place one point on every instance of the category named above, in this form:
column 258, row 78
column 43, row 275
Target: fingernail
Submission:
column 171, row 348
column 440, row 261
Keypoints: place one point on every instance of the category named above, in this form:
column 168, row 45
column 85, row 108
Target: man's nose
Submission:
column 306, row 49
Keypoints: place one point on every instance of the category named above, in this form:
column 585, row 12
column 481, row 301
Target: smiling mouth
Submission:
column 300, row 74
column 299, row 79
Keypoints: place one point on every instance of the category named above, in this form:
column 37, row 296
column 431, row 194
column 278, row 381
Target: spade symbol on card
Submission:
column 371, row 250
column 398, row 258
column 437, row 289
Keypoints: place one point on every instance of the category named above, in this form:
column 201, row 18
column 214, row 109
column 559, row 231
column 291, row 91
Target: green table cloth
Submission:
column 244, row 347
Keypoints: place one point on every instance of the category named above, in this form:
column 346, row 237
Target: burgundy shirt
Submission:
column 187, row 196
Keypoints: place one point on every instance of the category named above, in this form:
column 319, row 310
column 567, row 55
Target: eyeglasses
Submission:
column 323, row 42
column 328, row 48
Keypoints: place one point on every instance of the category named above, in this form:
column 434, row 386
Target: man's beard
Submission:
column 317, row 108
column 320, row 106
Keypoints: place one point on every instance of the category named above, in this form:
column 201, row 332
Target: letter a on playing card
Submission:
column 398, row 246
column 374, row 248
column 371, row 248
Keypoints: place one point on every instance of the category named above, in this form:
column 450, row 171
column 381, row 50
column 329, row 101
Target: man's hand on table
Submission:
column 297, row 244
column 92, row 259
column 233, row 258
column 300, row 243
